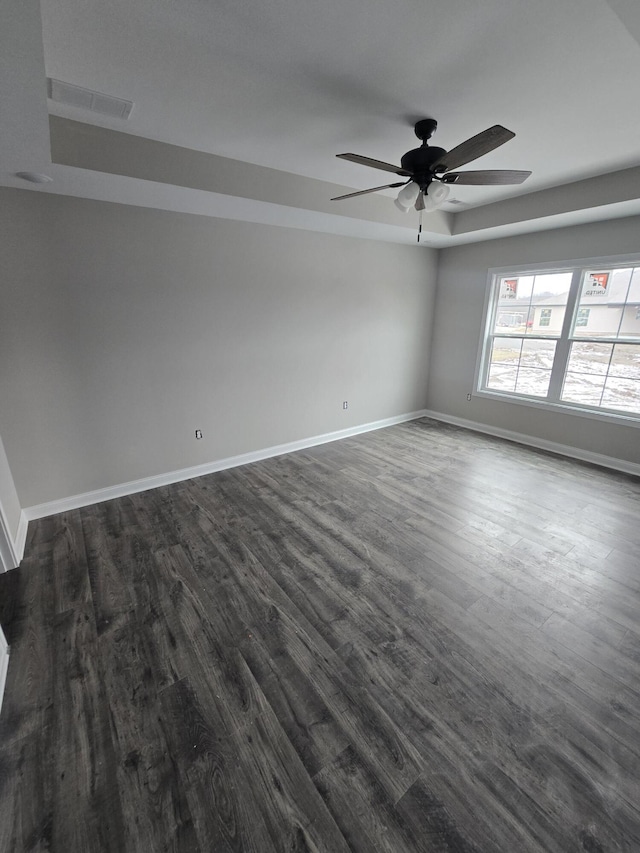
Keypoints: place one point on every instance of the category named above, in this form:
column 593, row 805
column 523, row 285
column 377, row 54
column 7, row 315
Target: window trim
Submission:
column 576, row 266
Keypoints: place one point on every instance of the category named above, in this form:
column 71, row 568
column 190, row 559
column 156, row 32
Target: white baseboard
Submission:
column 12, row 550
column 539, row 443
column 143, row 485
column 21, row 536
column 4, row 664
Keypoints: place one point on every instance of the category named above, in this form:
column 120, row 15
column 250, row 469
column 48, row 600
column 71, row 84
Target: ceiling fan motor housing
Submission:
column 421, row 162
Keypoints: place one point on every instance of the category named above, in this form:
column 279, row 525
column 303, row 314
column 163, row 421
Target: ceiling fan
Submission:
column 428, row 168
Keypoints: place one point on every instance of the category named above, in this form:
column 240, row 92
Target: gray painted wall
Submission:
column 462, row 280
column 124, row 329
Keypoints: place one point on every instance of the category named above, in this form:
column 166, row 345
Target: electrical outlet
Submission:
column 468, row 396
column 198, row 433
column 345, row 405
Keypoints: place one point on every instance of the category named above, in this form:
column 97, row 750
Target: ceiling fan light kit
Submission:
column 429, row 168
column 437, row 194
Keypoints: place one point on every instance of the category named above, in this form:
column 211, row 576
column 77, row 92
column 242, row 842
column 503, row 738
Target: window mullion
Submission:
column 563, row 345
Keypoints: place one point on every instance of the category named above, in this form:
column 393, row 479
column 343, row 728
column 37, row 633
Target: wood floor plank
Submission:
column 198, row 742
column 84, row 763
column 248, row 791
column 363, row 721
column 26, row 798
column 599, row 653
column 370, row 821
column 156, row 815
column 69, row 569
column 305, row 716
column 109, row 592
column 583, row 695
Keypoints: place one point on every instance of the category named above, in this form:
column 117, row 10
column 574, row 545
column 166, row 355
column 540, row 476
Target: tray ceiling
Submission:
column 285, row 86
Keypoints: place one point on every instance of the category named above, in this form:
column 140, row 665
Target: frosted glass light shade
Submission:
column 438, row 193
column 407, row 197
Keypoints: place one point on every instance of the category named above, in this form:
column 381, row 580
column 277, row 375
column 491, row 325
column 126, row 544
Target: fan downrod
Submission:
column 425, row 128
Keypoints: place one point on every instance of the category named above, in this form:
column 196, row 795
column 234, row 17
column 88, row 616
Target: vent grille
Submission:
column 87, row 99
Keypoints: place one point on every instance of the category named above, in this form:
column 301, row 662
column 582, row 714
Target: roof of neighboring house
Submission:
column 586, row 302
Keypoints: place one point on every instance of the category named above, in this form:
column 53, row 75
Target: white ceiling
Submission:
column 288, row 84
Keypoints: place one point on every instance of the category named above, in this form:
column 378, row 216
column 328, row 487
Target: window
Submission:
column 582, row 317
column 566, row 337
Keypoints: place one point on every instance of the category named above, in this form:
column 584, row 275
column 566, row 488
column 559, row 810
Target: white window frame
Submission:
column 563, row 342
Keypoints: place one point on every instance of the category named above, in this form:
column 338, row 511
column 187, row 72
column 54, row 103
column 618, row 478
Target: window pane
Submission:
column 618, row 290
column 630, row 326
column 511, row 319
column 622, row 394
column 502, row 378
column 515, row 288
column 614, row 369
column 603, row 294
column 512, row 308
column 521, row 365
column 625, row 362
column 503, row 368
column 590, row 358
column 537, row 353
column 506, row 351
column 521, row 299
column 548, row 304
column 583, row 388
column 533, row 382
column 551, row 283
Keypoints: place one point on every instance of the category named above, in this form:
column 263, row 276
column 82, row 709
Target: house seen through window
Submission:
column 569, row 336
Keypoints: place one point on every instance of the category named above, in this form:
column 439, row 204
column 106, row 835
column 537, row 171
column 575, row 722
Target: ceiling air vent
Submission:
column 87, row 99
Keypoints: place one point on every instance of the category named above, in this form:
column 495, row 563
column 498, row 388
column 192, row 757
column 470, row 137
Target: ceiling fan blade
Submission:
column 375, row 164
column 420, row 201
column 471, row 149
column 372, row 190
column 486, row 178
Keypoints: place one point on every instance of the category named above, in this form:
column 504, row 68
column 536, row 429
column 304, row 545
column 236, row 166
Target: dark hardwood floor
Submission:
column 418, row 639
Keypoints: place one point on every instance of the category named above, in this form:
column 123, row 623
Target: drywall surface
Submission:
column 98, row 149
column 123, row 330
column 462, row 282
column 9, row 503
